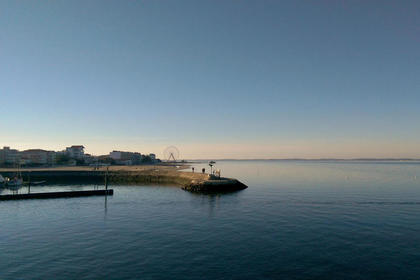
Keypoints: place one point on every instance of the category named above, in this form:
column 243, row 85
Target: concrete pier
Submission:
column 152, row 174
column 56, row 194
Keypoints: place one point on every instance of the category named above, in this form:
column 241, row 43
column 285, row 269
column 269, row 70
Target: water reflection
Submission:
column 106, row 206
column 294, row 219
column 213, row 201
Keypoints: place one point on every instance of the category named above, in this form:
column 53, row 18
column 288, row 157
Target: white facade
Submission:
column 115, row 155
column 38, row 156
column 76, row 152
column 9, row 156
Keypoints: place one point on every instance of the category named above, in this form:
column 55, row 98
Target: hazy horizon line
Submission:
column 311, row 159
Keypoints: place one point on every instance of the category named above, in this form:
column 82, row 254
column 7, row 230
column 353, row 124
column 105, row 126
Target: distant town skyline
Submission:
column 71, row 156
column 217, row 79
column 301, row 152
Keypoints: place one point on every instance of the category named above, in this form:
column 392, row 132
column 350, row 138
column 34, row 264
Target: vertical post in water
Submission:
column 106, row 179
column 29, row 182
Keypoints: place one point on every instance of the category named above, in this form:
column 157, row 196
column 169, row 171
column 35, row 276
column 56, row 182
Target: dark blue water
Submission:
column 297, row 220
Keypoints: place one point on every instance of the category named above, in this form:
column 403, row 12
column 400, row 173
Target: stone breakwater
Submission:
column 155, row 175
column 214, row 184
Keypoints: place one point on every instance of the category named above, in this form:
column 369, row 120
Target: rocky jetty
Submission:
column 153, row 174
column 214, row 184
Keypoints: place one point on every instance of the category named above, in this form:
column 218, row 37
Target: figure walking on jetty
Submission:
column 203, row 170
column 192, row 169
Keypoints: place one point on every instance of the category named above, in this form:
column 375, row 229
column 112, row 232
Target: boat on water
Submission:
column 14, row 182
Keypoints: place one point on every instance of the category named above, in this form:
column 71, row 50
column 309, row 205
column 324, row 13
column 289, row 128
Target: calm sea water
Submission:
column 297, row 220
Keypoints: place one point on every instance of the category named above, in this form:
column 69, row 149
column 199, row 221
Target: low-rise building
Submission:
column 115, row 155
column 9, row 156
column 125, row 158
column 76, row 152
column 39, row 157
column 88, row 158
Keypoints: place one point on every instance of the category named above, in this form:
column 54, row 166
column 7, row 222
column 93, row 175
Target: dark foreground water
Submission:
column 297, row 220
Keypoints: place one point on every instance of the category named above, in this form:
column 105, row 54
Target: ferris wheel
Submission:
column 171, row 154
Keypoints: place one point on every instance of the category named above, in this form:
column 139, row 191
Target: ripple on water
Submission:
column 318, row 225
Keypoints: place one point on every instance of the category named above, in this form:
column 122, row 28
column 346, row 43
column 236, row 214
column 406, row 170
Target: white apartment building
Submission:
column 76, row 151
column 9, row 156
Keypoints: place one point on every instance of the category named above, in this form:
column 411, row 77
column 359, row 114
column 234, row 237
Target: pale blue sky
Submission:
column 236, row 79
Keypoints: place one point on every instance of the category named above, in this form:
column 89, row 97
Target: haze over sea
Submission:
column 297, row 220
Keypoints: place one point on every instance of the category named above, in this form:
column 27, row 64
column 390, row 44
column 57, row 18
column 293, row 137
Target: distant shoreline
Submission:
column 304, row 159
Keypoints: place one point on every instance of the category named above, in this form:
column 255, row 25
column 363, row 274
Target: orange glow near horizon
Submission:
column 245, row 150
